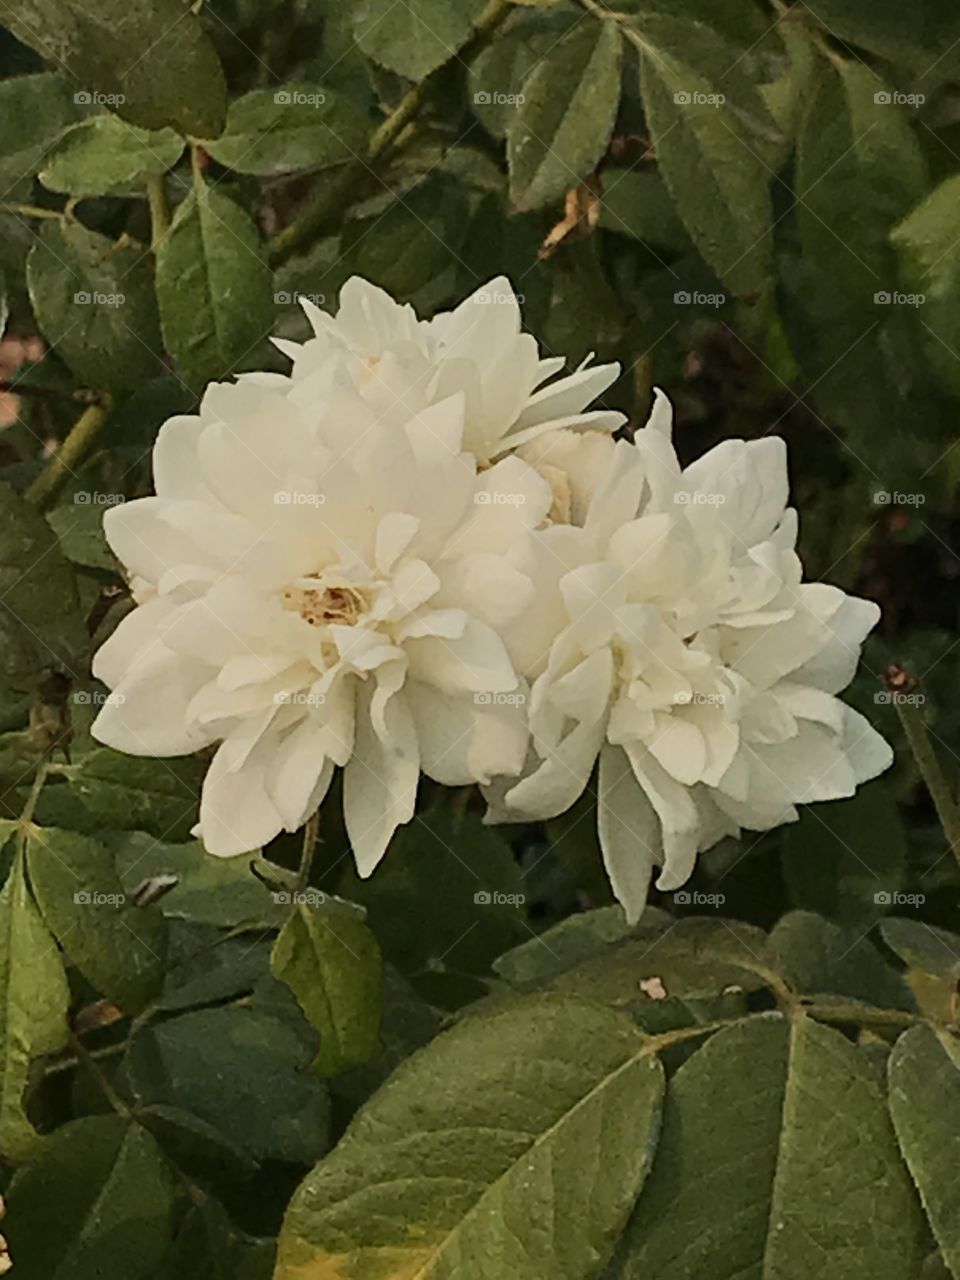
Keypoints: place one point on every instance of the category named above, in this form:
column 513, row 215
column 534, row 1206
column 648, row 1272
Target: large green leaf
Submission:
column 777, row 1159
column 33, row 1008
column 239, row 1070
column 709, row 150
column 113, row 1196
column 331, row 963
column 131, row 793
column 513, row 1145
column 926, row 41
column 95, row 303
column 859, row 169
column 924, row 1077
column 295, row 127
column 213, row 285
column 415, row 37
column 561, row 128
column 928, row 244
column 40, row 623
column 149, row 60
column 817, row 957
column 924, row 946
column 208, row 890
column 33, row 111
column 104, row 152
column 118, row 947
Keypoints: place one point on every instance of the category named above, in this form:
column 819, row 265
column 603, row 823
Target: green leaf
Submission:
column 114, row 1195
column 33, row 109
column 209, row 890
column 636, row 203
column 847, row 860
column 240, row 1071
column 513, row 1145
column 295, row 127
column 927, row 243
column 213, row 286
column 94, row 302
column 926, row 42
column 40, row 623
column 79, row 529
column 561, row 128
column 415, row 37
column 33, row 1008
column 118, row 947
column 817, row 957
column 495, row 76
column 776, row 1158
column 710, row 162
column 573, row 941
column 859, row 170
column 132, row 793
column 149, row 60
column 924, row 946
column 104, row 152
column 924, row 1074
column 331, row 963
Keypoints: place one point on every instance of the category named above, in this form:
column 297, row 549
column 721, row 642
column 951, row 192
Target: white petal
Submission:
column 147, row 714
column 236, row 811
column 629, row 832
column 380, row 781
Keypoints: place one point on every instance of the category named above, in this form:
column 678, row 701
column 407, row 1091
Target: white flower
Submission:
column 673, row 637
column 400, row 363
column 320, row 585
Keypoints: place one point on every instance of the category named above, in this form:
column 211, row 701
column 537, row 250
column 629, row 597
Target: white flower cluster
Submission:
column 421, row 552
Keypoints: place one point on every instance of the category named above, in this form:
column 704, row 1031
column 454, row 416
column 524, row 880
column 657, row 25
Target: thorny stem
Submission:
column 71, row 454
column 330, row 195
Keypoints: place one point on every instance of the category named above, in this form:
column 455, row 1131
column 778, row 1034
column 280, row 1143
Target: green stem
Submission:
column 159, row 210
column 71, row 454
column 31, row 210
column 332, row 194
column 862, row 1015
column 92, row 1056
column 92, row 1065
column 930, row 771
column 310, row 832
